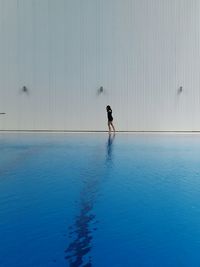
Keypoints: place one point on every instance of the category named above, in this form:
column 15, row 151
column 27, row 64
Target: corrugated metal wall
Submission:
column 140, row 51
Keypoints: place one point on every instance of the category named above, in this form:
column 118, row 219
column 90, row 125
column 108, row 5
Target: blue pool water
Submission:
column 129, row 200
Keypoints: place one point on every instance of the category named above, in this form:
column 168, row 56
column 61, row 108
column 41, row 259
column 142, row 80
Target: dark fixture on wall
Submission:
column 2, row 113
column 100, row 90
column 24, row 89
column 180, row 90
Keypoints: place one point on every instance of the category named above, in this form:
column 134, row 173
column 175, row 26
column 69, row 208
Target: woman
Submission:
column 110, row 119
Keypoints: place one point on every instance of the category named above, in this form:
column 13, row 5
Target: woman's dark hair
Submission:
column 108, row 108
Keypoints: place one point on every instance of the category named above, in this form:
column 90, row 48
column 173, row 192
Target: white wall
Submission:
column 140, row 51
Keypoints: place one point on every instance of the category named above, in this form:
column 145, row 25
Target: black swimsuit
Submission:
column 109, row 113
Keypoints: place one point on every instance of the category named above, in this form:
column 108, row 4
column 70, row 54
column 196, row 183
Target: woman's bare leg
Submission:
column 112, row 126
column 109, row 127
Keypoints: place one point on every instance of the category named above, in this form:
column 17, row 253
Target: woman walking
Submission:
column 110, row 119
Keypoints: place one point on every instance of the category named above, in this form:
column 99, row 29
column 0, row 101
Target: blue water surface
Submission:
column 124, row 200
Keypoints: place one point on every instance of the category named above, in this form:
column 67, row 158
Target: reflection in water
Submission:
column 109, row 147
column 78, row 251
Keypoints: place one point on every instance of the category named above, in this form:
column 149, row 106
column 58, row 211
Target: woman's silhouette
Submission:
column 110, row 119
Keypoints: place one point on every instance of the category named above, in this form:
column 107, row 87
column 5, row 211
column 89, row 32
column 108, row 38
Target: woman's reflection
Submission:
column 81, row 232
column 110, row 141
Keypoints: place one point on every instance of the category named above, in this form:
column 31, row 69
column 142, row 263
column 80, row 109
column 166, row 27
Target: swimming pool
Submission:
column 99, row 200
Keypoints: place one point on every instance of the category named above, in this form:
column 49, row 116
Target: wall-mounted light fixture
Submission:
column 2, row 113
column 100, row 90
column 24, row 89
column 180, row 90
